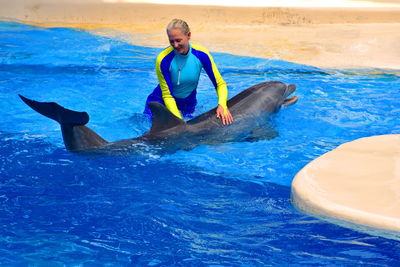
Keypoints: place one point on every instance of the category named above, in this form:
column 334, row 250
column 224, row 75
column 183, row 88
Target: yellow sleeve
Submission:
column 162, row 73
column 212, row 71
column 222, row 92
column 222, row 88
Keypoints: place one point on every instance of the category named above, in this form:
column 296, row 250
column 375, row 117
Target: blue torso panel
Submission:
column 185, row 73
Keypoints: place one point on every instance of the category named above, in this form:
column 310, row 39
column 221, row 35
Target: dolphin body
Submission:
column 250, row 109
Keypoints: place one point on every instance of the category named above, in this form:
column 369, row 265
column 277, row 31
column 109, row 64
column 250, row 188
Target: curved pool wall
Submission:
column 357, row 182
column 223, row 204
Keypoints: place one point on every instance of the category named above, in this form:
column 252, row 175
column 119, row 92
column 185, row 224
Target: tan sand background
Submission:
column 322, row 37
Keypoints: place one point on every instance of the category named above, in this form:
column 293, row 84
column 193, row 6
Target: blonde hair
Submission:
column 178, row 23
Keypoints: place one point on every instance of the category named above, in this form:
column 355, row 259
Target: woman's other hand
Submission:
column 224, row 115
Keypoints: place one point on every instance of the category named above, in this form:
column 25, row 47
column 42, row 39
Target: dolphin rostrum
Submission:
column 250, row 110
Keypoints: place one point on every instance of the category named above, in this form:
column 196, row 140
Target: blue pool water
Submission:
column 214, row 205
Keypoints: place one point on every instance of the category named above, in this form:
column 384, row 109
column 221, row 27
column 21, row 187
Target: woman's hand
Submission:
column 224, row 115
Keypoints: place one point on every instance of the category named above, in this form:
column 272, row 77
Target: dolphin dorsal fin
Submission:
column 163, row 118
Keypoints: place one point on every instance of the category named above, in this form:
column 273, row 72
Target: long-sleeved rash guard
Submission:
column 178, row 75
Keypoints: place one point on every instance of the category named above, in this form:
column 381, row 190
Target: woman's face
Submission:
column 179, row 41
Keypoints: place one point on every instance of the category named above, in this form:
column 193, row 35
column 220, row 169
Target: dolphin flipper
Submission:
column 265, row 132
column 76, row 136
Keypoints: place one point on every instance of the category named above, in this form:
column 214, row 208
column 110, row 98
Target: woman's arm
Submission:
column 164, row 78
column 220, row 85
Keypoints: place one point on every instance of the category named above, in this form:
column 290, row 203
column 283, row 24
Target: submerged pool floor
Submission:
column 224, row 205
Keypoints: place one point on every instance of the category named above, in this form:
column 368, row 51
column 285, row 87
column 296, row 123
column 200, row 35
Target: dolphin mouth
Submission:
column 290, row 88
column 290, row 100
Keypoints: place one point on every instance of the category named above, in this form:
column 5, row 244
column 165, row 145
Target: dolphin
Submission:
column 250, row 109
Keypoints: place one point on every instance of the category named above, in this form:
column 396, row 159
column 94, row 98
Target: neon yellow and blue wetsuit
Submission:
column 178, row 76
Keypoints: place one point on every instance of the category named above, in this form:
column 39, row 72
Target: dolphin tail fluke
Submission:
column 56, row 112
column 76, row 136
column 163, row 119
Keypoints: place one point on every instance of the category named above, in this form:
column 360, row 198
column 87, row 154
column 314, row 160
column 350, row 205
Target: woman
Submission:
column 178, row 70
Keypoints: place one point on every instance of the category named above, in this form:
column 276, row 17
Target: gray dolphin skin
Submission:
column 250, row 109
